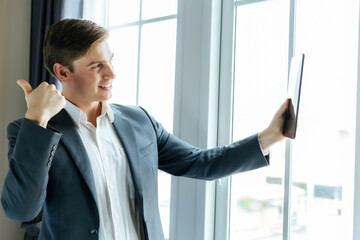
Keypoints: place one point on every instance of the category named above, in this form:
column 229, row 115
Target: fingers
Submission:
column 283, row 108
column 285, row 105
column 25, row 86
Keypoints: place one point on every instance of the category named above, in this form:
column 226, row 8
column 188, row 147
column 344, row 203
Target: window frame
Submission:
column 196, row 112
column 356, row 222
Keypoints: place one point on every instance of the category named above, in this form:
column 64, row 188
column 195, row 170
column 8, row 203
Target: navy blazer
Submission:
column 49, row 170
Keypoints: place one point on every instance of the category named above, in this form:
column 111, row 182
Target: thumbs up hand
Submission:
column 43, row 102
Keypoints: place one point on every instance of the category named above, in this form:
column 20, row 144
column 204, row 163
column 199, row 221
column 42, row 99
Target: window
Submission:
column 307, row 192
column 324, row 153
column 143, row 39
column 261, row 55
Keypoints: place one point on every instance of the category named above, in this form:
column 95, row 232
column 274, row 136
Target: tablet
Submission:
column 293, row 92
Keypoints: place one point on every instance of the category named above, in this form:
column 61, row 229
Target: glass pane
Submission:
column 124, row 44
column 158, row 8
column 157, row 70
column 323, row 152
column 156, row 91
column 164, row 195
column 261, row 62
column 95, row 11
column 123, row 11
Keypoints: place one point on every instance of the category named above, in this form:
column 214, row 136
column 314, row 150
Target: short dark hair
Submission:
column 70, row 39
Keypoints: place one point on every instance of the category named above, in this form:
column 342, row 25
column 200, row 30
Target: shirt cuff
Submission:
column 265, row 153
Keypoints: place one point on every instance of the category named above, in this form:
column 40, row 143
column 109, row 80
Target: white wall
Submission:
column 14, row 64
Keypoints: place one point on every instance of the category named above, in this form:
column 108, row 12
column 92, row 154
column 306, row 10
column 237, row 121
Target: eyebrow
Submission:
column 92, row 63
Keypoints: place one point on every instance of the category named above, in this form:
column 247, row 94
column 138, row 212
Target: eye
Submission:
column 97, row 66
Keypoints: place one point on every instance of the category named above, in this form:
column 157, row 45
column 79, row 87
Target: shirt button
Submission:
column 94, row 231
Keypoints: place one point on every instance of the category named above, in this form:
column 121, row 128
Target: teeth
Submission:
column 105, row 86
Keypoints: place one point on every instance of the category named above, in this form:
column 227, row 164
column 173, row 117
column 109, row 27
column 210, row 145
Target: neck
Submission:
column 91, row 110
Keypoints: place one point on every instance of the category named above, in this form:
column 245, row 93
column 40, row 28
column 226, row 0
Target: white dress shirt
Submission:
column 114, row 189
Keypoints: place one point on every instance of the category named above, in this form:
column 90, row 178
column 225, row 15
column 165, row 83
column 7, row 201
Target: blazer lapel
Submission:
column 73, row 143
column 127, row 138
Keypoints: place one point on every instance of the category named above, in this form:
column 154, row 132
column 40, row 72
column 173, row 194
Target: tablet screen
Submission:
column 293, row 92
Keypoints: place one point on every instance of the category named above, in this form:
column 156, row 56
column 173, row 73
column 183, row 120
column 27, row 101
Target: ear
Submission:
column 62, row 72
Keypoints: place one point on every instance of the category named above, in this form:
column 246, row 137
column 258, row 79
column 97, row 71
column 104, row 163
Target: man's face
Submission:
column 92, row 76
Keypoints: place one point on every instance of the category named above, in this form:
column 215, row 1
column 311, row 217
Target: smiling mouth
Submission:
column 105, row 86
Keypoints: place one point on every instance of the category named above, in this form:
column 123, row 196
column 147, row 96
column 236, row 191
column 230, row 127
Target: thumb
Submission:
column 25, row 86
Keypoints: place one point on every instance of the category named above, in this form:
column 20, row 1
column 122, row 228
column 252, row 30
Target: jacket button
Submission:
column 49, row 162
column 94, row 231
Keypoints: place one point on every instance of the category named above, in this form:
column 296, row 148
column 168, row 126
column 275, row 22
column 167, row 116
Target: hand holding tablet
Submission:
column 294, row 89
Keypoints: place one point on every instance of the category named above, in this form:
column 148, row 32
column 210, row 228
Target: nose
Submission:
column 109, row 71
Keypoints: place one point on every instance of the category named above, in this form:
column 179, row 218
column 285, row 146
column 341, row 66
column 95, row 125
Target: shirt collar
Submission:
column 77, row 115
column 106, row 109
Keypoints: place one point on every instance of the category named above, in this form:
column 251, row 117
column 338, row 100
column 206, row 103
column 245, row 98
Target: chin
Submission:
column 105, row 98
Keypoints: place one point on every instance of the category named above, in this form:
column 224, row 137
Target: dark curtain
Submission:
column 45, row 13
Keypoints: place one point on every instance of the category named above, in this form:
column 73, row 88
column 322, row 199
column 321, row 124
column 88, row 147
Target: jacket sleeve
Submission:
column 182, row 159
column 30, row 153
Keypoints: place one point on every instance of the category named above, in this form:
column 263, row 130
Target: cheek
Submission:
column 86, row 80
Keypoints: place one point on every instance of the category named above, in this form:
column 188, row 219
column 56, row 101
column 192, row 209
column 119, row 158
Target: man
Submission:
column 91, row 167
